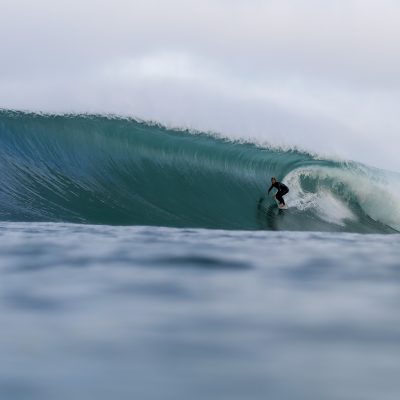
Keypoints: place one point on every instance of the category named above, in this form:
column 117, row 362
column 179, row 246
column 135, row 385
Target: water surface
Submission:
column 161, row 313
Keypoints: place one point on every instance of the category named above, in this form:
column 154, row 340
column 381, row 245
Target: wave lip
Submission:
column 118, row 171
column 348, row 192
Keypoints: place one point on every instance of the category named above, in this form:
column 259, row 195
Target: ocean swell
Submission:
column 117, row 171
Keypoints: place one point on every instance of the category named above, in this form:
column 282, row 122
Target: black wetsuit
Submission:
column 282, row 190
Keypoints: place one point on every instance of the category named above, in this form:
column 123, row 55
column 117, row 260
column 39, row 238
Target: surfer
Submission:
column 282, row 190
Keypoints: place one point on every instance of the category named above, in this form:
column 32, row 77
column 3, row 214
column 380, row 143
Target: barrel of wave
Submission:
column 335, row 192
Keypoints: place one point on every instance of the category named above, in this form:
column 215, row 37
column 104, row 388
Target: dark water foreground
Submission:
column 95, row 312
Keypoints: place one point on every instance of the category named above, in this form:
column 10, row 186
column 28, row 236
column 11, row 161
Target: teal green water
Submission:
column 247, row 310
column 116, row 171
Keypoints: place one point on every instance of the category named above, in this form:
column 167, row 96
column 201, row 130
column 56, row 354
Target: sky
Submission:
column 322, row 76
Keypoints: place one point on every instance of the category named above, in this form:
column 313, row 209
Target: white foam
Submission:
column 377, row 193
column 327, row 206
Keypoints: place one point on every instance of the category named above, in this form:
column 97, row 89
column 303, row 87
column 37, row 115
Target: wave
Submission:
column 118, row 171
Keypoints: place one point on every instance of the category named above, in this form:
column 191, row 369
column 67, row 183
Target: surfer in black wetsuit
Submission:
column 282, row 190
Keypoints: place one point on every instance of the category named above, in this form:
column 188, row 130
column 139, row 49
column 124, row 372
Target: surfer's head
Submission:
column 273, row 179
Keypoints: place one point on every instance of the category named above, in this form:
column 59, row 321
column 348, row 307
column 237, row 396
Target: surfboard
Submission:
column 284, row 207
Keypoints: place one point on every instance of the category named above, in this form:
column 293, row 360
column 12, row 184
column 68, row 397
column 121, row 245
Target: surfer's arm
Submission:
column 270, row 188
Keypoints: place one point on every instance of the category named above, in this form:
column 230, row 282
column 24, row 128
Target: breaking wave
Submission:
column 118, row 171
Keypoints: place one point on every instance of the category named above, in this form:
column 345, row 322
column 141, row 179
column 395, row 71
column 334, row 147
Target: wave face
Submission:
column 104, row 170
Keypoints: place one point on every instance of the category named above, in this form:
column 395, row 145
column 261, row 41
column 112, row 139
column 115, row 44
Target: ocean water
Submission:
column 164, row 313
column 140, row 262
column 114, row 171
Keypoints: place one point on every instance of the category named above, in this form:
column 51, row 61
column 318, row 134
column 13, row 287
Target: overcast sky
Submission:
column 321, row 75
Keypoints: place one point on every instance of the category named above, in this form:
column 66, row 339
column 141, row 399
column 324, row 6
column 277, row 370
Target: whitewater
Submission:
column 148, row 262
